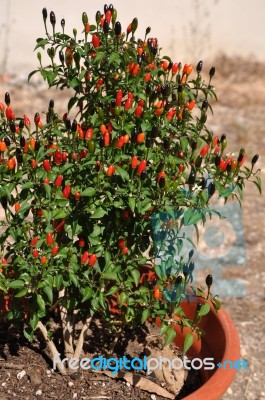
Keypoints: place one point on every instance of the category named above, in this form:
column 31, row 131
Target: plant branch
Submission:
column 52, row 348
column 67, row 326
column 81, row 338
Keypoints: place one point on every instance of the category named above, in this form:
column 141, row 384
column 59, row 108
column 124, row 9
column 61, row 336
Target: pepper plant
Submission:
column 91, row 196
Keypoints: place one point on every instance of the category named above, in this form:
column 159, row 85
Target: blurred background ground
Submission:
column 239, row 112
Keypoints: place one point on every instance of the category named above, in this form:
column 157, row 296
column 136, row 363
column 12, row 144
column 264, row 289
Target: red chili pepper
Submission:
column 49, row 239
column 191, row 105
column 81, row 242
column 147, row 77
column 95, row 40
column 140, row 137
column 125, row 250
column 135, row 70
column 128, row 104
column 35, row 253
column 108, row 16
column 110, row 170
column 187, row 69
column 77, row 195
column 92, row 260
column 9, row 113
column 141, row 167
column 119, row 97
column 175, row 68
column 99, row 83
column 58, row 181
column 121, row 243
column 84, row 257
column 68, row 56
column 120, row 142
column 106, row 139
column 89, row 134
column 37, row 118
column 138, row 111
column 67, row 191
column 134, row 162
column 34, row 241
column 204, row 151
column 215, row 141
column 55, row 250
column 43, row 260
column 46, row 165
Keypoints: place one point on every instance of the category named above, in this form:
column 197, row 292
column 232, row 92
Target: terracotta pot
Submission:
column 221, row 342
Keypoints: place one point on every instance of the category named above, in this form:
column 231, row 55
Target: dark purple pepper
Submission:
column 211, row 189
column 217, row 160
column 21, row 124
column 209, row 281
column 7, row 141
column 67, row 123
column 37, row 145
column 52, row 18
column 143, row 175
column 205, row 105
column 22, row 141
column 105, row 27
column 178, row 280
column 198, row 161
column 199, row 66
column 223, row 137
column 162, row 182
column 7, row 99
column 44, row 13
column 166, row 141
column 191, row 178
column 12, row 126
column 255, row 159
column 212, row 72
column 117, row 28
column 61, row 56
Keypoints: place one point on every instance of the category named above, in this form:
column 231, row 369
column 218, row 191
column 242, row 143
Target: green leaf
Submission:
column 41, row 43
column 170, row 336
column 17, row 284
column 87, row 294
column 188, row 342
column 22, row 293
column 90, row 191
column 99, row 213
column 112, row 290
column 48, row 291
column 132, row 203
column 34, row 321
column 122, row 299
column 205, row 308
column 74, row 83
column 136, row 276
column 32, row 73
column 60, row 214
column 115, row 57
column 41, row 302
column 58, row 281
column 145, row 315
column 100, row 56
column 123, row 174
column 73, row 279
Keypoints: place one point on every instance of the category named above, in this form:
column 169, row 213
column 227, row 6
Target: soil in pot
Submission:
column 17, row 355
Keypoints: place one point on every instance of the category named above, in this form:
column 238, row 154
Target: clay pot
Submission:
column 221, row 342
